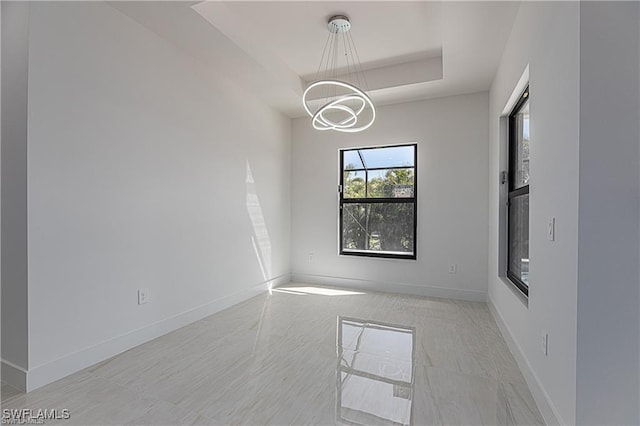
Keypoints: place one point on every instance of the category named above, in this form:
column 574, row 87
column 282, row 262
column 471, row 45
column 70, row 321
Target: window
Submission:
column 378, row 202
column 518, row 199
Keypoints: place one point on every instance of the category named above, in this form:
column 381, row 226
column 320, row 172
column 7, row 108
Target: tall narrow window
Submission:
column 378, row 202
column 518, row 218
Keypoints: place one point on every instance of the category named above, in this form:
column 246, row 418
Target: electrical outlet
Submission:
column 453, row 268
column 310, row 257
column 143, row 296
column 545, row 343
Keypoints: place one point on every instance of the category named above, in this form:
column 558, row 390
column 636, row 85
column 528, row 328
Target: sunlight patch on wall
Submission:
column 260, row 239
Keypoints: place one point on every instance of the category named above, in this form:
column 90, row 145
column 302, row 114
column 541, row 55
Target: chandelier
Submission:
column 335, row 99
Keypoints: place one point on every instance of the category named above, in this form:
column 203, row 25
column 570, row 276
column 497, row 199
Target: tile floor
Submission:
column 307, row 355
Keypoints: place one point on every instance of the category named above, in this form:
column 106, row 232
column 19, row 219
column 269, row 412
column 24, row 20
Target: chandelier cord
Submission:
column 364, row 77
column 326, row 43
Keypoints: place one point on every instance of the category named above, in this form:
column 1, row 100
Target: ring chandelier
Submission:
column 333, row 100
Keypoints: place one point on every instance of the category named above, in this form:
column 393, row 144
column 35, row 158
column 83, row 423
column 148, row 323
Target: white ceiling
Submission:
column 411, row 50
column 296, row 31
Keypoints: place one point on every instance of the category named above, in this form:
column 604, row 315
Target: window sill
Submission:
column 378, row 255
column 518, row 285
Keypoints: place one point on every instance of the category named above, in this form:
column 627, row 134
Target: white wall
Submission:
column 144, row 170
column 545, row 36
column 452, row 200
column 608, row 279
column 15, row 42
column 585, row 101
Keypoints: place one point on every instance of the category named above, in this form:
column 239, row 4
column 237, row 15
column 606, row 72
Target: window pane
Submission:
column 521, row 122
column 395, row 156
column 352, row 161
column 391, row 183
column 378, row 227
column 354, row 185
column 519, row 237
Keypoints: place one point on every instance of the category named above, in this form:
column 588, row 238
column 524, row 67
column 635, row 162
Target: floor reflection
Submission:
column 315, row 359
column 375, row 372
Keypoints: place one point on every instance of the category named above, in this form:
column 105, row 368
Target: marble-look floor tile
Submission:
column 520, row 403
column 9, row 392
column 165, row 413
column 88, row 399
column 466, row 399
column 455, row 348
column 299, row 357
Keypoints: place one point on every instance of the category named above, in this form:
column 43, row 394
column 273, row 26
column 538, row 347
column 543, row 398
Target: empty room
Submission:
column 316, row 212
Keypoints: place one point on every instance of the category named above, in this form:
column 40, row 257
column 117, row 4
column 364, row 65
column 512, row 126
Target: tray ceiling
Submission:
column 411, row 50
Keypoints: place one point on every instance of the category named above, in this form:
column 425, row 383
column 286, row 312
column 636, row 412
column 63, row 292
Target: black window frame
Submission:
column 411, row 200
column 511, row 183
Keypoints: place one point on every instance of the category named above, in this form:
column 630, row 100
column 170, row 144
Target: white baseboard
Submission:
column 544, row 403
column 46, row 373
column 14, row 375
column 391, row 287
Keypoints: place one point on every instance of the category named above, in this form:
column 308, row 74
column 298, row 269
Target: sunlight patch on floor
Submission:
column 316, row 290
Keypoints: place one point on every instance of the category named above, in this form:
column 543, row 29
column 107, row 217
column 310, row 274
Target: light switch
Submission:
column 551, row 229
column 545, row 343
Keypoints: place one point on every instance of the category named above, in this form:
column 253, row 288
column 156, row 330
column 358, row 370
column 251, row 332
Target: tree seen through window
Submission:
column 378, row 201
